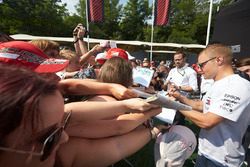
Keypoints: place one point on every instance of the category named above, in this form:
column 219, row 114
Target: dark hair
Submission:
column 116, row 70
column 5, row 38
column 21, row 91
column 242, row 62
column 181, row 53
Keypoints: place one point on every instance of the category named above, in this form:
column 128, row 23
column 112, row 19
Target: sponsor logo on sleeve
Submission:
column 229, row 101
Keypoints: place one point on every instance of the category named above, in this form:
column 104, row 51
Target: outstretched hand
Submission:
column 120, row 92
column 139, row 105
column 97, row 48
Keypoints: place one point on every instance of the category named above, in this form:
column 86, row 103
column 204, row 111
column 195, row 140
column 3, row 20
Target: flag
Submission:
column 96, row 10
column 161, row 14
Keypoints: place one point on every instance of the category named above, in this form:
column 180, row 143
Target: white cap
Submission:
column 174, row 147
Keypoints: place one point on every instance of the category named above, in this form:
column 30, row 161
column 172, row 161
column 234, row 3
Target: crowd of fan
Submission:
column 74, row 107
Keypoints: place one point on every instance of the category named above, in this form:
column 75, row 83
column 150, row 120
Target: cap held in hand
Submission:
column 174, row 147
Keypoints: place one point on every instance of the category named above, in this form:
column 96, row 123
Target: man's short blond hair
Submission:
column 215, row 50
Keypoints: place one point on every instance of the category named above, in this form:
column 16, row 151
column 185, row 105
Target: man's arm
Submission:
column 203, row 120
column 195, row 104
column 180, row 88
column 90, row 87
column 193, row 83
column 185, row 88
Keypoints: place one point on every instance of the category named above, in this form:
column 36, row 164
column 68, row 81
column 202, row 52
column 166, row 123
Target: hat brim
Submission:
column 51, row 66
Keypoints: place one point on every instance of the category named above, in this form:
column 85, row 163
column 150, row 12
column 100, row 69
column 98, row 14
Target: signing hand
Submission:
column 172, row 92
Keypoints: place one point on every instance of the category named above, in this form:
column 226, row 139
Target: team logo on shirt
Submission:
column 208, row 101
column 229, row 102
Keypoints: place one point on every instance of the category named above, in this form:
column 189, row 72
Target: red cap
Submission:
column 28, row 55
column 117, row 52
column 100, row 58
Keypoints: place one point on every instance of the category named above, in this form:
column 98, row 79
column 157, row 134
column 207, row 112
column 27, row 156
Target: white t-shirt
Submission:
column 206, row 84
column 184, row 76
column 228, row 98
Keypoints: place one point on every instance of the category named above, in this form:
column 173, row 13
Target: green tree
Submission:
column 109, row 28
column 36, row 17
column 188, row 21
column 134, row 19
column 201, row 18
column 70, row 23
column 181, row 22
column 180, row 26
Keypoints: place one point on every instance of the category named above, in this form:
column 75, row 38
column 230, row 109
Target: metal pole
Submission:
column 152, row 30
column 87, row 21
column 209, row 21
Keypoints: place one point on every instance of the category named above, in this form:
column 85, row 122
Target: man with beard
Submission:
column 182, row 77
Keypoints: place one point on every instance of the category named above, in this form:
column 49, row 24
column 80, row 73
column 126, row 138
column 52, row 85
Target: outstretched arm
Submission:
column 107, row 128
column 90, row 87
column 86, row 111
column 80, row 152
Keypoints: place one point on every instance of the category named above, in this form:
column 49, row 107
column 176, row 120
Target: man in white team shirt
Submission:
column 223, row 115
column 182, row 77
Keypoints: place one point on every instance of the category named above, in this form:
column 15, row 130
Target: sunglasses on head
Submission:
column 48, row 144
column 201, row 65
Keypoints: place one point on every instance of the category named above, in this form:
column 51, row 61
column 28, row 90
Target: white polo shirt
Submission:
column 184, row 76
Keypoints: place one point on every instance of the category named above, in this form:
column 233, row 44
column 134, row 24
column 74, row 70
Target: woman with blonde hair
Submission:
column 49, row 47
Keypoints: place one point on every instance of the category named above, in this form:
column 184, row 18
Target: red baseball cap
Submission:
column 117, row 52
column 26, row 54
column 100, row 58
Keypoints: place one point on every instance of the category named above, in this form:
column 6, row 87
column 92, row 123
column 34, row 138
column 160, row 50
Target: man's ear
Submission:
column 220, row 60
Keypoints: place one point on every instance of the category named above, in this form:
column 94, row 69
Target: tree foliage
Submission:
column 188, row 20
column 37, row 17
column 134, row 18
column 109, row 28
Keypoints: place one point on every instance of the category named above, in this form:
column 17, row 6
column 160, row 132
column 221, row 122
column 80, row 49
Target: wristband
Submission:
column 81, row 39
column 76, row 40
